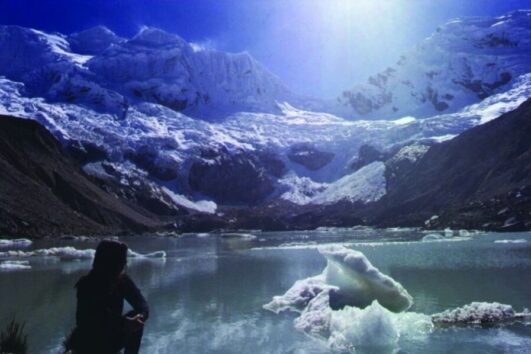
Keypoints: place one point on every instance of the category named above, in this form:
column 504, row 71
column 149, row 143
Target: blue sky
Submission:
column 317, row 47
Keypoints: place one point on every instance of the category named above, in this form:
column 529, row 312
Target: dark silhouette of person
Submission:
column 100, row 325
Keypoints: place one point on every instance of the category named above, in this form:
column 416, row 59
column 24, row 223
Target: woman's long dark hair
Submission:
column 109, row 261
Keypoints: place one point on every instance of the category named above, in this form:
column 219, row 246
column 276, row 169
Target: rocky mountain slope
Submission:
column 44, row 192
column 482, row 178
column 463, row 62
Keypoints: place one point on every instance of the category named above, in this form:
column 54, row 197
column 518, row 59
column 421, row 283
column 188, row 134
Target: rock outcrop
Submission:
column 481, row 178
column 43, row 191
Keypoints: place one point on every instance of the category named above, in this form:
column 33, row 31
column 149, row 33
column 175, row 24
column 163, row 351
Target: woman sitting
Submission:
column 100, row 325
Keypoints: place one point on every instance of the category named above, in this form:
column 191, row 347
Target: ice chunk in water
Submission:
column 374, row 327
column 14, row 265
column 299, row 295
column 351, row 281
column 18, row 242
column 73, row 253
column 478, row 313
column 360, row 283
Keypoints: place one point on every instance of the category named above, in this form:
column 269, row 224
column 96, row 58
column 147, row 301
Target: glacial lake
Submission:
column 208, row 294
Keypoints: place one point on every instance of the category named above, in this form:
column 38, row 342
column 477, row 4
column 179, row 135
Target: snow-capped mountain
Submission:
column 463, row 62
column 96, row 68
column 128, row 109
column 202, row 159
column 159, row 67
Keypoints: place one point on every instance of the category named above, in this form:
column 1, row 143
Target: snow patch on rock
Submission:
column 368, row 184
column 204, row 206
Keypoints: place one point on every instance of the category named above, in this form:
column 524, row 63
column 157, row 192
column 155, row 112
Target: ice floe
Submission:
column 69, row 252
column 374, row 328
column 352, row 280
column 351, row 304
column 238, row 235
column 433, row 237
column 520, row 240
column 14, row 265
column 13, row 243
column 479, row 313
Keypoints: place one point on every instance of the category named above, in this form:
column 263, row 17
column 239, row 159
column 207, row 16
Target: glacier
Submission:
column 185, row 119
column 177, row 140
column 461, row 63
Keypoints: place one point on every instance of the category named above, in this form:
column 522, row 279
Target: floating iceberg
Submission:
column 156, row 254
column 360, row 283
column 238, row 235
column 72, row 253
column 19, row 242
column 349, row 279
column 433, row 237
column 351, row 304
column 61, row 252
column 14, row 265
column 299, row 295
column 521, row 240
column 479, row 313
column 375, row 328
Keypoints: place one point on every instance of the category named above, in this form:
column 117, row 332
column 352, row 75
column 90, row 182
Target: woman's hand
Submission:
column 135, row 323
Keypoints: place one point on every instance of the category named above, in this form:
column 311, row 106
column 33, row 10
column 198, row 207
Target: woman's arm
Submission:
column 134, row 297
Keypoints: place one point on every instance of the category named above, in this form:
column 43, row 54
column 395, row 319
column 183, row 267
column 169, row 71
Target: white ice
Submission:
column 479, row 312
column 69, row 252
column 363, row 322
column 520, row 240
column 205, row 206
column 14, row 265
column 15, row 243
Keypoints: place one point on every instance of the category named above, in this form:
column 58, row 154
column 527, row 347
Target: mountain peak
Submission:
column 462, row 62
column 93, row 40
column 151, row 36
column 100, row 69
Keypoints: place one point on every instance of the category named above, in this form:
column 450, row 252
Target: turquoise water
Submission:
column 207, row 295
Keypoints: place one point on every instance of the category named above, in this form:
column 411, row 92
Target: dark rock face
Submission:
column 470, row 179
column 433, row 97
column 240, row 178
column 366, row 155
column 402, row 162
column 272, row 163
column 308, row 156
column 92, row 41
column 492, row 41
column 85, row 151
column 277, row 216
column 364, row 105
column 506, row 212
column 485, row 89
column 138, row 193
column 148, row 159
column 44, row 192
